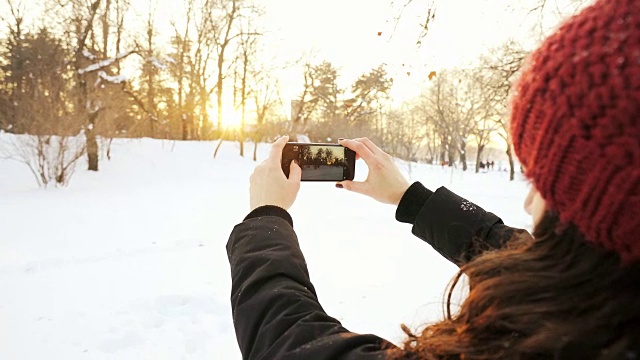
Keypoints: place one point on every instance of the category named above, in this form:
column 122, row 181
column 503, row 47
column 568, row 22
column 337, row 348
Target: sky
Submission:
column 346, row 34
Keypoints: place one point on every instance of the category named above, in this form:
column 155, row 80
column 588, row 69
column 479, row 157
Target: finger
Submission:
column 295, row 172
column 370, row 145
column 357, row 156
column 276, row 149
column 360, row 149
column 355, row 186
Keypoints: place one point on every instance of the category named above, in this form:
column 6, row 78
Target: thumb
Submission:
column 355, row 186
column 295, row 172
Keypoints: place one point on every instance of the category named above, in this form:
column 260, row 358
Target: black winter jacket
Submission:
column 276, row 312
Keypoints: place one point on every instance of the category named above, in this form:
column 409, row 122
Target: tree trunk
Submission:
column 92, row 142
column 462, row 150
column 255, row 150
column 243, row 104
column 152, row 131
column 215, row 153
column 109, row 149
column 512, row 171
column 185, row 130
column 92, row 149
column 219, row 89
column 463, row 159
column 478, row 157
column 451, row 155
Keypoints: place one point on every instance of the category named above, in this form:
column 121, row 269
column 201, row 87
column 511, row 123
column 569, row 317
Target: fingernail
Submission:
column 340, row 139
column 339, row 186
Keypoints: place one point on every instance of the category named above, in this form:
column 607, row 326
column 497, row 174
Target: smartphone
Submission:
column 320, row 162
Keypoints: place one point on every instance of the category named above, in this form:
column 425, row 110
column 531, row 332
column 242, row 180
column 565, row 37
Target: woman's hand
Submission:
column 269, row 185
column 384, row 183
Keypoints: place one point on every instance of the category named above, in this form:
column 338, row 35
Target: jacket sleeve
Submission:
column 455, row 227
column 276, row 312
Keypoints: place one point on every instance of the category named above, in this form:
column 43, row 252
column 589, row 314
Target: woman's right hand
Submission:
column 384, row 182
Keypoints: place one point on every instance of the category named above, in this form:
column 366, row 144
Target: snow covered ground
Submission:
column 130, row 262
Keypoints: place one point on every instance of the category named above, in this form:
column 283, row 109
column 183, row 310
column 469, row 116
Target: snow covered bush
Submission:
column 51, row 159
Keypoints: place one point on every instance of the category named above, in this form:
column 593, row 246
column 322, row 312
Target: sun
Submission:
column 231, row 118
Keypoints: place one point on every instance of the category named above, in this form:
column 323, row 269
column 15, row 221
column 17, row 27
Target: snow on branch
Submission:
column 86, row 53
column 115, row 79
column 104, row 63
column 97, row 66
column 157, row 63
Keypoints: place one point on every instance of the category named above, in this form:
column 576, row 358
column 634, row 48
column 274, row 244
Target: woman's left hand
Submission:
column 269, row 185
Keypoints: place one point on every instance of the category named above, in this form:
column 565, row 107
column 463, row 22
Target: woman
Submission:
column 570, row 291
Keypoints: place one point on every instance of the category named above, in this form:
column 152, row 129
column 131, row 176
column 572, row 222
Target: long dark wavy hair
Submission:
column 553, row 296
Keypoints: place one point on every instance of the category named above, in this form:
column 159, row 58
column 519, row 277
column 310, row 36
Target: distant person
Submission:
column 571, row 290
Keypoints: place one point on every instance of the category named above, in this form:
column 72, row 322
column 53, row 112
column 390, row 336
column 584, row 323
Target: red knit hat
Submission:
column 575, row 124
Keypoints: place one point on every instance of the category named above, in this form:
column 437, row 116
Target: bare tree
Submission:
column 265, row 96
column 263, row 91
column 482, row 132
column 179, row 68
column 83, row 23
column 91, row 65
column 225, row 34
column 452, row 103
column 226, row 30
column 151, row 67
column 303, row 107
column 370, row 93
column 429, row 119
column 405, row 132
column 247, row 50
column 489, row 109
column 501, row 67
column 320, row 102
column 110, row 88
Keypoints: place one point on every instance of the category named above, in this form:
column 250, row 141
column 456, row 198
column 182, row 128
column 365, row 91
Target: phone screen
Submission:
column 320, row 162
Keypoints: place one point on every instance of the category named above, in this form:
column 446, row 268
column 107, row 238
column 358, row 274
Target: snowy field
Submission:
column 130, row 262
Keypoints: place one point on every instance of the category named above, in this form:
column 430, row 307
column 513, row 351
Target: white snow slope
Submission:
column 130, row 262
